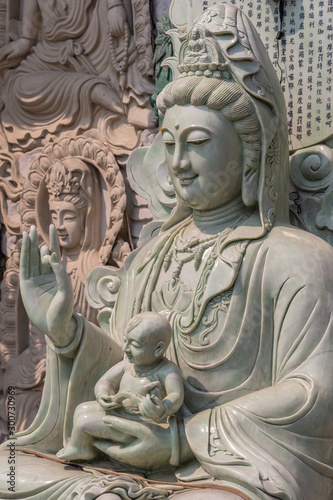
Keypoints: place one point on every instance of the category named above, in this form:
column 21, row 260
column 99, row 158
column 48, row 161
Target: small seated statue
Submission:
column 145, row 385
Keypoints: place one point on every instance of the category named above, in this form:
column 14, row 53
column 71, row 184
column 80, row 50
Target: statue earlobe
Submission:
column 250, row 187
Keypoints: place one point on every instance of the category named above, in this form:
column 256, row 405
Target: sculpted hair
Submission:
column 157, row 326
column 228, row 97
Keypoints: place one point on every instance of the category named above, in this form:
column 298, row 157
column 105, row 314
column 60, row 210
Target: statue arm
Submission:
column 12, row 53
column 31, row 20
column 117, row 17
column 174, row 388
column 108, row 384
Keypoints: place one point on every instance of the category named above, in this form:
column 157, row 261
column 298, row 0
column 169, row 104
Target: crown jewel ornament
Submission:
column 61, row 181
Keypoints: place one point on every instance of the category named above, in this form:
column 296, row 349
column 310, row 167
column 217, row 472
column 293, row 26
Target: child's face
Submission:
column 139, row 349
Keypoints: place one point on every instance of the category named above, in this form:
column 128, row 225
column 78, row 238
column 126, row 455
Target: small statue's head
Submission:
column 74, row 189
column 67, row 203
column 147, row 337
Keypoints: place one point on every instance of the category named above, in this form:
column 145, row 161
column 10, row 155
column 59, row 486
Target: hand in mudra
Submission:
column 46, row 289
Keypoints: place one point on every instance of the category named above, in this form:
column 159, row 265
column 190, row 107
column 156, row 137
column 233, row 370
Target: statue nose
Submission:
column 180, row 165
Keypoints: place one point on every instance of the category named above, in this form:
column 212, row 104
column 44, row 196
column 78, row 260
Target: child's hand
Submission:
column 105, row 401
column 151, row 407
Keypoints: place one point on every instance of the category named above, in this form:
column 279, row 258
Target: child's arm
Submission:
column 108, row 384
column 152, row 407
column 174, row 388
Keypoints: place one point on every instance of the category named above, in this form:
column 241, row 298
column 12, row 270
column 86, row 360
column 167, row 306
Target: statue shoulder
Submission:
column 297, row 253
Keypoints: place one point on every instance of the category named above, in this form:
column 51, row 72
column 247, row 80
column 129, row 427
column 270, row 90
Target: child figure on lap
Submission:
column 144, row 386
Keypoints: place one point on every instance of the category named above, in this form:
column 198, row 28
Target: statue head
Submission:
column 147, row 337
column 235, row 134
column 237, row 81
column 74, row 193
column 67, row 205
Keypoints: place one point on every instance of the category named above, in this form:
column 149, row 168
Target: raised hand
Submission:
column 46, row 289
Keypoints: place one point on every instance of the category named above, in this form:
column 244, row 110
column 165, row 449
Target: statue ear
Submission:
column 160, row 346
column 250, row 186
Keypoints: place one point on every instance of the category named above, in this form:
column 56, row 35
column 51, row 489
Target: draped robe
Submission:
column 254, row 344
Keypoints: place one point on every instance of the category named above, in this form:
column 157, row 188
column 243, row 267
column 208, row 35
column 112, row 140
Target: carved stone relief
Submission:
column 58, row 77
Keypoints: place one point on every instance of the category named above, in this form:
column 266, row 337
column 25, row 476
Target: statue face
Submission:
column 68, row 222
column 204, row 156
column 139, row 348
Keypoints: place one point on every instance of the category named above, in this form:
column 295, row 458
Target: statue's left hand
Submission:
column 150, row 448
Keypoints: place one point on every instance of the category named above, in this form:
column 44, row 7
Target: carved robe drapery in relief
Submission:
column 69, row 80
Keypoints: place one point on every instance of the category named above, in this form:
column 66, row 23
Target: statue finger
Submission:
column 129, row 427
column 121, row 453
column 45, row 267
column 54, row 241
column 34, row 253
column 25, row 257
column 60, row 272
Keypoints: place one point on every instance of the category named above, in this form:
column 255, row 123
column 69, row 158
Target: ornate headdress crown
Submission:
column 60, row 181
column 200, row 55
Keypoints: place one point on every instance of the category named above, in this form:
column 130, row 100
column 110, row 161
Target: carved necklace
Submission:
column 136, row 372
column 183, row 251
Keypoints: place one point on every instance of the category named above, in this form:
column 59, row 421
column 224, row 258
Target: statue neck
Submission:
column 218, row 219
column 70, row 257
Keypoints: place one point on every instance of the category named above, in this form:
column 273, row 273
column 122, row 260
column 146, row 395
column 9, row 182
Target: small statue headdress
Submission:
column 60, row 181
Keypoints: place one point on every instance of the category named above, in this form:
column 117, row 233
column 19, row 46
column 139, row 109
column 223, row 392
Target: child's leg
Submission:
column 88, row 425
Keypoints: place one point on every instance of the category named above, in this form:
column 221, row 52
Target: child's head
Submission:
column 147, row 337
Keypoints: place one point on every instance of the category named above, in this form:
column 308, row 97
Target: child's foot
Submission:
column 73, row 453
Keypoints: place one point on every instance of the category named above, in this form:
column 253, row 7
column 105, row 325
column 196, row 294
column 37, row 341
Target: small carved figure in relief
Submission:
column 68, row 62
column 74, row 204
column 196, row 49
column 144, row 386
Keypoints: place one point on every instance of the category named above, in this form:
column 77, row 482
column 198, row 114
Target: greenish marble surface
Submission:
column 248, row 297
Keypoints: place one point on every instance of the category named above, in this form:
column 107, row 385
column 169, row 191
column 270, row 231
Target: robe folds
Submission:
column 51, row 90
column 254, row 343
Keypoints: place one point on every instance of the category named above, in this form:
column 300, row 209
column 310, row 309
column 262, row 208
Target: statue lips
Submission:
column 186, row 181
column 63, row 236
